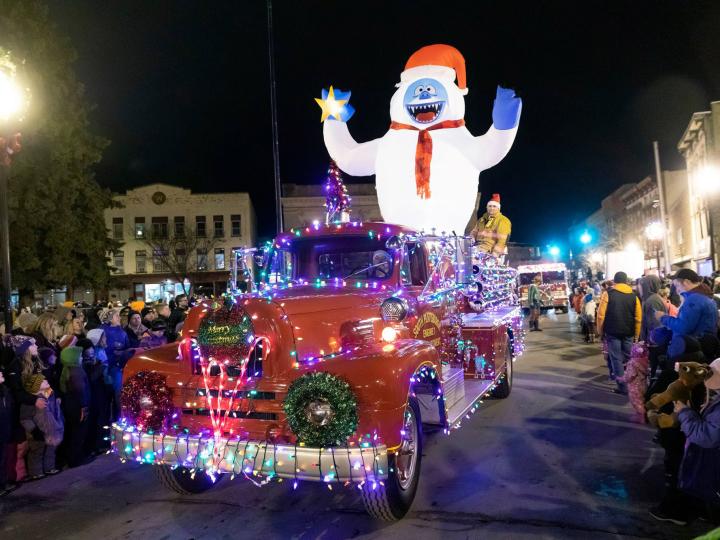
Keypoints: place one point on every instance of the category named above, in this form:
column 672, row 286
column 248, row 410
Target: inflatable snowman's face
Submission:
column 424, row 102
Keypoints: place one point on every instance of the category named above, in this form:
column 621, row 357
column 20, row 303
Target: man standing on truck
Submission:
column 493, row 229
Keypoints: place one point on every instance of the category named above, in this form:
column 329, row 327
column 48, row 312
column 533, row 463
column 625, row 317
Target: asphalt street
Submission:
column 560, row 458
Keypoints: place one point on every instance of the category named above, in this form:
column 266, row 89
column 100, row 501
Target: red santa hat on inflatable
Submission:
column 438, row 62
column 494, row 200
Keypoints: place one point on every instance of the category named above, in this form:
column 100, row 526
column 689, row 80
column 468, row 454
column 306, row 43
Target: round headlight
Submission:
column 393, row 309
column 319, row 412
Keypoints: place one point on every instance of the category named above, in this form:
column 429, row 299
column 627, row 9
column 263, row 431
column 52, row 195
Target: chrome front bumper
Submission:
column 234, row 456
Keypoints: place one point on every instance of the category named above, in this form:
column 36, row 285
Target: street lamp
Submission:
column 585, row 238
column 12, row 105
column 554, row 251
column 707, row 180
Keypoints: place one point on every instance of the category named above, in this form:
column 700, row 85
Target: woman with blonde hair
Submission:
column 46, row 331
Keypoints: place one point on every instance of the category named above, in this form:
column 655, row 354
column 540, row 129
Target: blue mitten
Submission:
column 506, row 109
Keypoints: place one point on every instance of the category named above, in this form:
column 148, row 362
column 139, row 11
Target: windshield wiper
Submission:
column 369, row 267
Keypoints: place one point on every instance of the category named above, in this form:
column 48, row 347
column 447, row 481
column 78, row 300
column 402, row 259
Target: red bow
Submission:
column 8, row 148
column 423, row 152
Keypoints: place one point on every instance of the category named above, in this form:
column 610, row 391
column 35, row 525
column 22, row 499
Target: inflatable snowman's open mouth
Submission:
column 425, row 112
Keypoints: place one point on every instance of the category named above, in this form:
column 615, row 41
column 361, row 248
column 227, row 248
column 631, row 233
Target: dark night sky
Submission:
column 181, row 89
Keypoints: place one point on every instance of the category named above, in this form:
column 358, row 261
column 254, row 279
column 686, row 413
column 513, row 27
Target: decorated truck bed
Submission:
column 357, row 335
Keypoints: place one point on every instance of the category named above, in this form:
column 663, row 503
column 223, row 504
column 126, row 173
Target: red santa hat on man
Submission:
column 494, row 200
column 438, row 62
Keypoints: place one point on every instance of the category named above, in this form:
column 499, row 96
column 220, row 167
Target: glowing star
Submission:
column 334, row 105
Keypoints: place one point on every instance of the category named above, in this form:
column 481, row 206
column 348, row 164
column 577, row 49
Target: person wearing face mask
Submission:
column 493, row 229
column 698, row 314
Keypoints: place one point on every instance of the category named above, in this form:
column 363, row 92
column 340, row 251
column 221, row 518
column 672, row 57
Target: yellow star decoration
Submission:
column 331, row 106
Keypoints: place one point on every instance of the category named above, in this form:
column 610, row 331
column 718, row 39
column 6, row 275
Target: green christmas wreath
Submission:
column 330, row 394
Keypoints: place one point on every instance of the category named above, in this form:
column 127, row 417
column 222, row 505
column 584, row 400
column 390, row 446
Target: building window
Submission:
column 139, row 227
column 218, row 226
column 219, row 258
column 235, row 225
column 117, row 228
column 119, row 262
column 202, row 260
column 140, row 261
column 160, row 227
column 179, row 226
column 680, row 236
column 160, row 260
column 200, row 227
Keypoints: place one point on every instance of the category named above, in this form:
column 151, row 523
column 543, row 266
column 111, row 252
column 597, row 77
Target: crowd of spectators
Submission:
column 647, row 328
column 61, row 379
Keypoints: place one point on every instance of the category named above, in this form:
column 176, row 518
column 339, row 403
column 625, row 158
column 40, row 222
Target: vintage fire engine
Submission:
column 357, row 335
column 553, row 284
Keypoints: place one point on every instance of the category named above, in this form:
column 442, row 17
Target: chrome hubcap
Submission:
column 406, row 458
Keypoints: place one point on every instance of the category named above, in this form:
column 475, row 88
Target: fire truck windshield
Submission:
column 333, row 257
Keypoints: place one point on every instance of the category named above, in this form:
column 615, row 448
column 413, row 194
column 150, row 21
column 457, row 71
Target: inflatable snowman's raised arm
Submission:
column 357, row 159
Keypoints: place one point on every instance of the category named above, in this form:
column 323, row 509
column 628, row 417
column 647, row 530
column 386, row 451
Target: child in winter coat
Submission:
column 43, row 428
column 700, row 468
column 75, row 389
column 636, row 378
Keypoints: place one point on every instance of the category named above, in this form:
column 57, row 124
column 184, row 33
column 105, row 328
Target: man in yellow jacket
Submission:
column 493, row 229
column 618, row 321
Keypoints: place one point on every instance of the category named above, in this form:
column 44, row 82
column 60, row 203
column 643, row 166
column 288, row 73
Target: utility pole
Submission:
column 663, row 218
column 273, row 115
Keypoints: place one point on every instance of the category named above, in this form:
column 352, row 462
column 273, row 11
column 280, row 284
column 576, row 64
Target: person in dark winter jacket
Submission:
column 6, row 436
column 618, row 321
column 156, row 337
column 700, row 468
column 698, row 314
column 178, row 314
column 118, row 353
column 652, row 302
column 99, row 412
column 75, row 389
column 135, row 329
column 648, row 288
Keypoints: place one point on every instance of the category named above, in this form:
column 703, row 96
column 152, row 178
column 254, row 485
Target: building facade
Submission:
column 173, row 239
column 304, row 204
column 681, row 242
column 700, row 146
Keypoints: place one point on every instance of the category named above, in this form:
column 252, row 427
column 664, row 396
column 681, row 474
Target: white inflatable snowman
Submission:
column 427, row 164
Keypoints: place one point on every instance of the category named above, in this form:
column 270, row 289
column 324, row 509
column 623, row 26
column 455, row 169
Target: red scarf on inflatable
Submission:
column 423, row 152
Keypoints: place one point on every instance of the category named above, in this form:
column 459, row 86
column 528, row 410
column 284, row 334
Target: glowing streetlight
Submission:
column 654, row 231
column 707, row 180
column 585, row 238
column 554, row 251
column 13, row 101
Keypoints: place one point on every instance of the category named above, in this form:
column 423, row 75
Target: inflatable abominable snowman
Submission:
column 427, row 164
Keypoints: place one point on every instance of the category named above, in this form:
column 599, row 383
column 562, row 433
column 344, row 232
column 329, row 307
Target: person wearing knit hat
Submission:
column 43, row 427
column 700, row 468
column 493, row 229
column 75, row 389
column 427, row 165
column 22, row 344
column 33, row 383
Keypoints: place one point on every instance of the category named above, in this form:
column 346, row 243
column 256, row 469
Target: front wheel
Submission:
column 390, row 502
column 503, row 388
column 181, row 480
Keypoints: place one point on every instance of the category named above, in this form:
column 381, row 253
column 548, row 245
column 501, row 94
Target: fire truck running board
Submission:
column 474, row 390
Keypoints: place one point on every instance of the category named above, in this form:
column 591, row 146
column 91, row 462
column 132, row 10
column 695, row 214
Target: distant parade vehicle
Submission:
column 554, row 285
column 356, row 337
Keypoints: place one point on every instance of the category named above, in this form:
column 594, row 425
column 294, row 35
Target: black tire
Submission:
column 393, row 500
column 502, row 390
column 181, row 480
